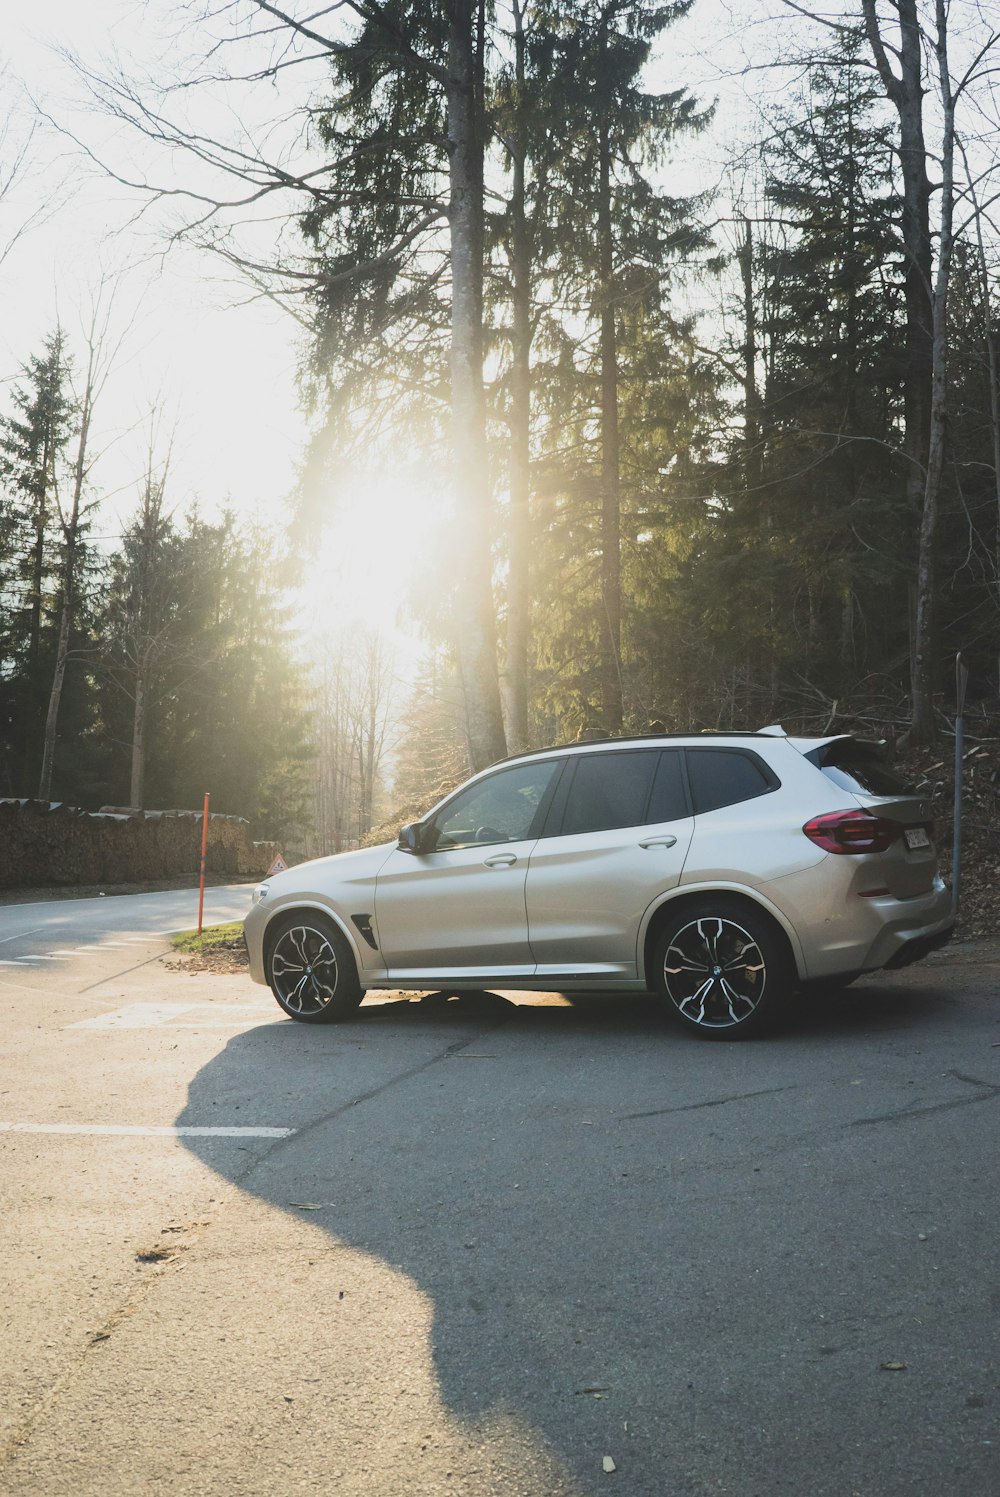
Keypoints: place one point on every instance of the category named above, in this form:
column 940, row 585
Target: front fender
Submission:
column 263, row 915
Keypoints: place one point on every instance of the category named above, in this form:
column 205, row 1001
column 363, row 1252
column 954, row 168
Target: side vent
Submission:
column 364, row 925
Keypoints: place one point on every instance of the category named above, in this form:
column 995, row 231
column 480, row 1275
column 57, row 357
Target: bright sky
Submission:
column 223, row 372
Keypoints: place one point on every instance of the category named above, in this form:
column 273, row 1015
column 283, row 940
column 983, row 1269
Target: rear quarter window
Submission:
column 725, row 777
column 861, row 770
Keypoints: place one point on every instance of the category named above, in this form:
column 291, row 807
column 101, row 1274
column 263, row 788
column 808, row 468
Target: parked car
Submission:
column 721, row 871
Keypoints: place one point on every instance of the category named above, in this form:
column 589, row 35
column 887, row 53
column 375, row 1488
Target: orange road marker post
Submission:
column 204, row 850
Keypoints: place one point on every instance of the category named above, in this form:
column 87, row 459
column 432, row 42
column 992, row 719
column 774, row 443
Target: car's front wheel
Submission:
column 310, row 969
column 722, row 969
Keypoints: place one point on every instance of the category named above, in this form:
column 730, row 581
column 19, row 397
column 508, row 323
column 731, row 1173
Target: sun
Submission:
column 385, row 528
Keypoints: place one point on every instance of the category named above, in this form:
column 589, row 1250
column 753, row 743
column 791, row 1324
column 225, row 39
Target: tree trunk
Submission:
column 993, row 368
column 922, row 727
column 906, row 93
column 612, row 706
column 519, row 520
column 137, row 787
column 752, row 465
column 55, row 695
column 475, row 615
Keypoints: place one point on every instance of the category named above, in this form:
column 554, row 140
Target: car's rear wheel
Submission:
column 310, row 969
column 723, row 969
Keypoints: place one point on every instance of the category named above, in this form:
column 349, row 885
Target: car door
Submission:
column 620, row 841
column 456, row 909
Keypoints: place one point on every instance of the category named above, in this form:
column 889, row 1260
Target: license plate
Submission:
column 916, row 836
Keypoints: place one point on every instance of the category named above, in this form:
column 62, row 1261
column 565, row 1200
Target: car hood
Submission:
column 322, row 875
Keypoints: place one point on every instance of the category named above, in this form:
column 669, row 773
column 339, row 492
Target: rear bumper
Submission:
column 918, row 947
column 911, row 929
column 843, row 931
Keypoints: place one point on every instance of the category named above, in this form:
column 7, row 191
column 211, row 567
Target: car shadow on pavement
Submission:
column 617, row 1225
column 862, row 1008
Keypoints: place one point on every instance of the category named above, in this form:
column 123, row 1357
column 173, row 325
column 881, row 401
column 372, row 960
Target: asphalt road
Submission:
column 479, row 1246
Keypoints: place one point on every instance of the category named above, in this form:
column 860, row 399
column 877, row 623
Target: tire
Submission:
column 310, row 969
column 723, row 970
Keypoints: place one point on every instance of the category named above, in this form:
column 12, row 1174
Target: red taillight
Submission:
column 852, row 831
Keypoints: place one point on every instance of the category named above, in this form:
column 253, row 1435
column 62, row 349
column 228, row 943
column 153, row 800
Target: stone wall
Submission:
column 43, row 844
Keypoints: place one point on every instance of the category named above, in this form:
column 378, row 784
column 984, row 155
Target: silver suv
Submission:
column 722, row 871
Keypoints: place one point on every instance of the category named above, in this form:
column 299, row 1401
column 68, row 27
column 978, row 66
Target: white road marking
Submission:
column 96, row 949
column 117, row 1130
column 21, row 935
column 180, row 1016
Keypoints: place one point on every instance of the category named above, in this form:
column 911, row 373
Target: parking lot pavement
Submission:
column 479, row 1246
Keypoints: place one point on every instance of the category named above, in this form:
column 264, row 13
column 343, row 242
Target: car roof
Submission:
column 802, row 744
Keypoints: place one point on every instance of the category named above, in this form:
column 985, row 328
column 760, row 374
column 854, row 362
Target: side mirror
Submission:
column 411, row 837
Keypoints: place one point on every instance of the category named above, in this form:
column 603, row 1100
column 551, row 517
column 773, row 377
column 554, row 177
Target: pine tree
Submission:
column 606, row 253
column 33, row 439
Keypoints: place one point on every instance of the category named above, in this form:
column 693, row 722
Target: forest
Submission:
column 721, row 452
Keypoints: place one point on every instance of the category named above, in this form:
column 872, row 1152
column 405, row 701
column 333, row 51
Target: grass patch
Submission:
column 212, row 937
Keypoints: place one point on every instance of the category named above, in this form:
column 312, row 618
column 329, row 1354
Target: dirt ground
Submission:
column 224, row 956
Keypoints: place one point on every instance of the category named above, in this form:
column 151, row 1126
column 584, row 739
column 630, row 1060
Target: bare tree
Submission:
column 906, row 92
column 353, row 706
column 17, row 159
column 909, row 44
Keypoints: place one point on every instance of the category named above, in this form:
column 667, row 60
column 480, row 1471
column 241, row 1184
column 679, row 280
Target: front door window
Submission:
column 502, row 808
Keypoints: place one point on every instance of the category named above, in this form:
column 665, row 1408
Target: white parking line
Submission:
column 116, row 1130
column 182, row 1016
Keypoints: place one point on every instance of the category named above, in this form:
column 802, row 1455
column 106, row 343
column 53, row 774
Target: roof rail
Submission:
column 584, row 743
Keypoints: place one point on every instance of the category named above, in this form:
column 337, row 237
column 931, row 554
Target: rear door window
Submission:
column 668, row 801
column 725, row 777
column 609, row 790
column 859, row 768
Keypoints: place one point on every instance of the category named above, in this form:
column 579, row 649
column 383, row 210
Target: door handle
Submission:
column 502, row 860
column 666, row 841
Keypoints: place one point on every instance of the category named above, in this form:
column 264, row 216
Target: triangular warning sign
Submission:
column 278, row 866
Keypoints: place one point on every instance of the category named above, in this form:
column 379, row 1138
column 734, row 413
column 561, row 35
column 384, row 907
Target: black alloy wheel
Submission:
column 723, row 970
column 310, row 969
